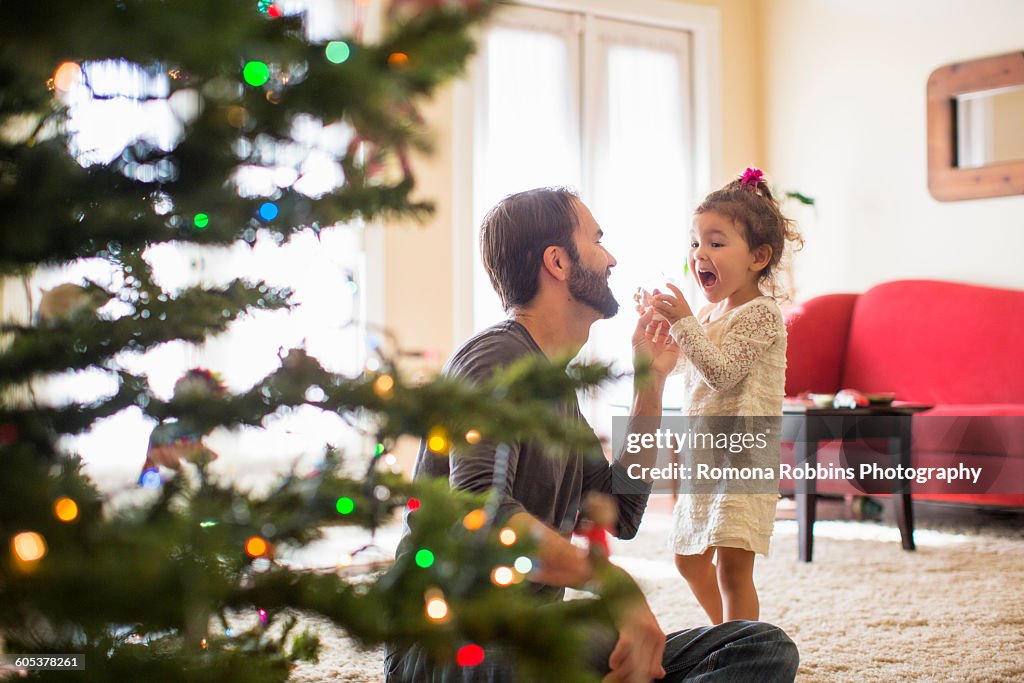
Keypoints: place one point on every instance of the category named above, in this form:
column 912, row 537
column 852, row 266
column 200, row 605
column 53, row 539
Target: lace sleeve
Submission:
column 748, row 337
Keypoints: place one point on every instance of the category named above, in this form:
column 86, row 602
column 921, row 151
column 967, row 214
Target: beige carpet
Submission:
column 864, row 610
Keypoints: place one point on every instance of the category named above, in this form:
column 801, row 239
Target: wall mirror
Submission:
column 976, row 128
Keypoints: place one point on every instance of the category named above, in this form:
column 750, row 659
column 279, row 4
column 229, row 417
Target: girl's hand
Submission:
column 671, row 308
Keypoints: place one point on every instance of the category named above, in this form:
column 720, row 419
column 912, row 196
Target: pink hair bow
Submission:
column 751, row 177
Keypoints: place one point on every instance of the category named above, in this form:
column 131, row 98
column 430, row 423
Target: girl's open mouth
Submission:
column 707, row 278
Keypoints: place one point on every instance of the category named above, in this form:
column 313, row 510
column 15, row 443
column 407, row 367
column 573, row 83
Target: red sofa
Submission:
column 957, row 347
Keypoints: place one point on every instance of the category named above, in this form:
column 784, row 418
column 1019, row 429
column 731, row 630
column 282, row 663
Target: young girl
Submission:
column 733, row 364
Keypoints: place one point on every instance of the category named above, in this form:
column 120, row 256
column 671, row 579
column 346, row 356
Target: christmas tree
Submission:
column 193, row 582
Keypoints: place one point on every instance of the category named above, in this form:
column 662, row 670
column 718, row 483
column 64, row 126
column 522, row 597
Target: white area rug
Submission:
column 864, row 610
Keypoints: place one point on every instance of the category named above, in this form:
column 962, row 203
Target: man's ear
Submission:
column 557, row 262
column 762, row 256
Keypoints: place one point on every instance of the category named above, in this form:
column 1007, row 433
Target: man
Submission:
column 542, row 250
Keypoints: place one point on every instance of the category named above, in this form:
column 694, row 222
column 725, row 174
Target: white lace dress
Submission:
column 732, row 366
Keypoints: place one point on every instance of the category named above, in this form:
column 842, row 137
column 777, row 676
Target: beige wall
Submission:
column 419, row 281
column 742, row 76
column 845, row 122
column 419, row 276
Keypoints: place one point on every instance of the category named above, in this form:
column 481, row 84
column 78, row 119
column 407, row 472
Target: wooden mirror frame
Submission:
column 947, row 181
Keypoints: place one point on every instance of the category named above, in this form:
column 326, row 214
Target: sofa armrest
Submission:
column 818, row 330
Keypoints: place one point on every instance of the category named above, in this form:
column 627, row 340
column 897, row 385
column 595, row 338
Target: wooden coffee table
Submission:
column 806, row 426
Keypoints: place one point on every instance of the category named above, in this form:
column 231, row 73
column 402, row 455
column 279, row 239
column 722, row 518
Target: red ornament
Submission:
column 273, row 11
column 469, row 655
column 413, row 504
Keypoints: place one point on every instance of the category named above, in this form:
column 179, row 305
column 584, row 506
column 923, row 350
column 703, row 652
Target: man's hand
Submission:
column 638, row 653
column 672, row 308
column 653, row 345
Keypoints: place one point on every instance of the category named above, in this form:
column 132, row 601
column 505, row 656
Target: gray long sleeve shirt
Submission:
column 549, row 488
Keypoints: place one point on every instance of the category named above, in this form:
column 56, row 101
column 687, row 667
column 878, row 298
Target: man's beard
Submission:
column 591, row 288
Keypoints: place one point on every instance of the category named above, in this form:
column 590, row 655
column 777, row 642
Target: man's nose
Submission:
column 611, row 260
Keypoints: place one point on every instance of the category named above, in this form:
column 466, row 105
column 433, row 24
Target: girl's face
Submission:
column 721, row 260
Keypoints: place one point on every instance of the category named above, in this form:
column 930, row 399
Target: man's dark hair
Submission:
column 515, row 233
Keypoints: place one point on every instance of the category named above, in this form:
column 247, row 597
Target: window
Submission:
column 616, row 107
column 118, row 104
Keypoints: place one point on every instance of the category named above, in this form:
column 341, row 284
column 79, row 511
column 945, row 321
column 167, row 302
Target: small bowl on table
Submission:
column 822, row 400
column 881, row 398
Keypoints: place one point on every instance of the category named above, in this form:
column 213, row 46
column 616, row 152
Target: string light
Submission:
column 474, row 520
column 383, row 386
column 502, row 576
column 29, row 546
column 66, row 510
column 345, row 506
column 273, row 11
column 256, row 546
column 437, row 609
column 390, row 460
column 507, row 536
column 437, row 440
column 237, row 116
column 398, row 59
column 256, row 73
column 345, row 561
column 523, row 565
column 264, row 619
column 202, row 643
column 469, row 655
column 67, row 76
column 472, row 437
column 424, row 558
column 379, row 449
column 201, row 220
column 413, row 504
column 337, row 51
column 268, row 211
column 150, row 479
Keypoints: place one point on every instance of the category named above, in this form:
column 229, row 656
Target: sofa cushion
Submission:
column 938, row 343
column 981, row 428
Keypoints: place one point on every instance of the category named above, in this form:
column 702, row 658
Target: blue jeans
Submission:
column 734, row 651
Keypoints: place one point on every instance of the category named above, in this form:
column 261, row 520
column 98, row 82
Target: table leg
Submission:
column 806, row 498
column 900, row 450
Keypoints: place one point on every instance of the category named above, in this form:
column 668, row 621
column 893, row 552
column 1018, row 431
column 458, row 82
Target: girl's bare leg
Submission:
column 736, row 583
column 699, row 572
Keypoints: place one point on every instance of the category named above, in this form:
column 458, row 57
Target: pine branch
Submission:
column 81, row 341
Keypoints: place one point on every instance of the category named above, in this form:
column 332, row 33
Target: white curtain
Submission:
column 528, row 127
